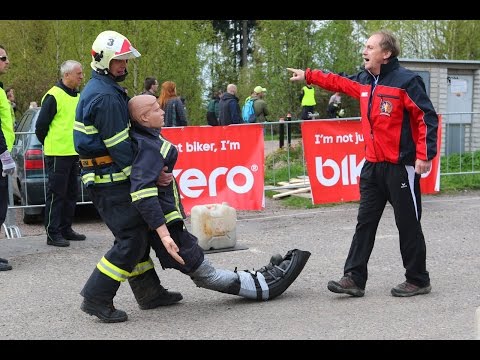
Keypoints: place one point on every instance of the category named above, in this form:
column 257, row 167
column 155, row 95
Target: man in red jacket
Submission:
column 399, row 126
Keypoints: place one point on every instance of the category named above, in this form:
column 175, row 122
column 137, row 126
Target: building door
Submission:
column 459, row 100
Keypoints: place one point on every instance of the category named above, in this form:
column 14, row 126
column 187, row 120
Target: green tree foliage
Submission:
column 279, row 44
column 298, row 43
column 202, row 56
column 338, row 53
column 238, row 34
column 457, row 40
column 169, row 51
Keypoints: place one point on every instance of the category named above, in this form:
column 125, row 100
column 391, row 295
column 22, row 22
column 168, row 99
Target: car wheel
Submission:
column 31, row 215
column 31, row 219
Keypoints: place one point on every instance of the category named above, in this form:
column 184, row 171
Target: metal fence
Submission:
column 460, row 138
column 460, row 145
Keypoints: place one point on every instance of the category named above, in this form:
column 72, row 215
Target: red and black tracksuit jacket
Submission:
column 399, row 121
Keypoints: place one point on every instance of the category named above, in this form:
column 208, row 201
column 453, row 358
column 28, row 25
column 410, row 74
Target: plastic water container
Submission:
column 215, row 225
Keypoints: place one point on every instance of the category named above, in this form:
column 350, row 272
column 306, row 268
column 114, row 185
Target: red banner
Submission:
column 335, row 153
column 430, row 182
column 219, row 164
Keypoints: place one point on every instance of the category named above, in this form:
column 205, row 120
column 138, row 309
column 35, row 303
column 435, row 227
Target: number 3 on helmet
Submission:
column 111, row 45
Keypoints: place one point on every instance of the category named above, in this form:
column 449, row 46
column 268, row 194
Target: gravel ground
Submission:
column 40, row 296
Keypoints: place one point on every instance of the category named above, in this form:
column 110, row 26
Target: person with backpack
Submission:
column 249, row 97
column 213, row 110
column 229, row 109
column 255, row 109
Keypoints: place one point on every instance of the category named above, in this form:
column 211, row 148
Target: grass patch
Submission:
column 458, row 163
column 284, row 164
column 287, row 163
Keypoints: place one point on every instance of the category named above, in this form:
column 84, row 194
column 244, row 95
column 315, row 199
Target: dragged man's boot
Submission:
column 273, row 279
column 149, row 293
column 266, row 283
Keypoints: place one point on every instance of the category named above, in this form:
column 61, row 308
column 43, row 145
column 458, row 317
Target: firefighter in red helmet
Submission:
column 101, row 137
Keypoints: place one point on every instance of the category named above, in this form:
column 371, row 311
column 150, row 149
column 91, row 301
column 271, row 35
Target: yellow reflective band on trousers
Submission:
column 112, row 271
column 116, row 139
column 142, row 267
column 174, row 215
column 145, row 193
column 89, row 130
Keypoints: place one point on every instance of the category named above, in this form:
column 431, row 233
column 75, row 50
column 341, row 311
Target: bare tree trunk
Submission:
column 243, row 60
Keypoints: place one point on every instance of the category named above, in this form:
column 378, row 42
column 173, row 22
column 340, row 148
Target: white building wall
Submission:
column 439, row 71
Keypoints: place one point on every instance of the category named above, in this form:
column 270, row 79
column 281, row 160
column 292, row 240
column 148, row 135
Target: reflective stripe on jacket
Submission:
column 158, row 205
column 101, row 128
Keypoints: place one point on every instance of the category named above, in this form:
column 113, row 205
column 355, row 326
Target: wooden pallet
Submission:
column 304, row 180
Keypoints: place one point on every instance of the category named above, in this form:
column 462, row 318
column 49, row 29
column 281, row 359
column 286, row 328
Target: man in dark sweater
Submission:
column 229, row 109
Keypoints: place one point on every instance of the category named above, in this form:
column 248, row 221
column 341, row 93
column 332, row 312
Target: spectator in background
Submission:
column 307, row 97
column 184, row 103
column 229, row 109
column 213, row 109
column 249, row 97
column 54, row 129
column 7, row 137
column 11, row 99
column 335, row 98
column 259, row 104
column 334, row 106
column 150, row 86
column 172, row 105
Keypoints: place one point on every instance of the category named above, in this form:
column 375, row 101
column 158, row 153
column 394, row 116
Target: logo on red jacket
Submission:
column 386, row 108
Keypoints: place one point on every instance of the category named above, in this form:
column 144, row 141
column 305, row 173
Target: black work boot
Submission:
column 57, row 240
column 73, row 235
column 149, row 293
column 280, row 273
column 105, row 312
column 5, row 266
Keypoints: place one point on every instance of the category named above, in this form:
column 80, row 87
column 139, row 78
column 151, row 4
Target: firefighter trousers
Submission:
column 131, row 245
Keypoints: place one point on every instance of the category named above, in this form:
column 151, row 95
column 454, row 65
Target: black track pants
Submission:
column 62, row 191
column 400, row 186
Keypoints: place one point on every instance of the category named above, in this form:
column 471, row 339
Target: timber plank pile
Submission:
column 299, row 186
